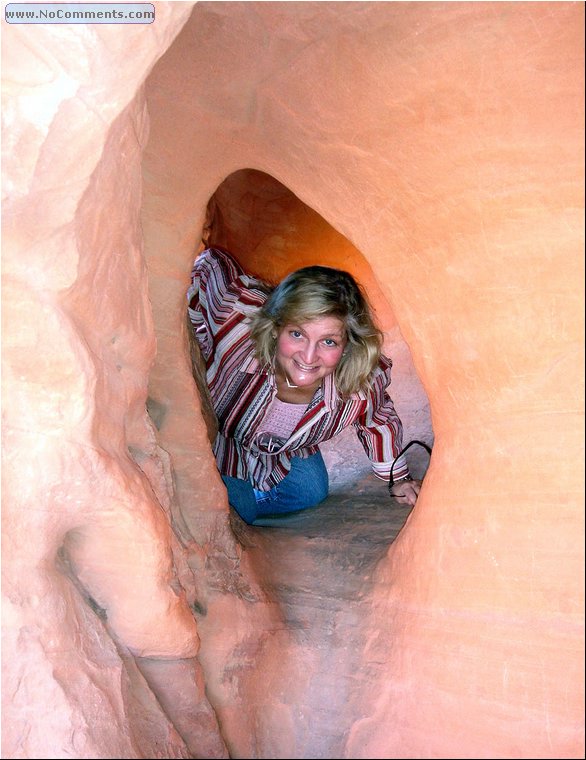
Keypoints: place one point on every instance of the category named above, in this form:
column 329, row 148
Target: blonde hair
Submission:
column 314, row 292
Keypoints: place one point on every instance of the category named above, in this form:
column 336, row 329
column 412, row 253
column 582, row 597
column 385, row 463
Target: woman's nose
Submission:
column 308, row 352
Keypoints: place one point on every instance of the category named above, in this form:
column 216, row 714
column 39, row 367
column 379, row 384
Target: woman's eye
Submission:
column 330, row 343
column 295, row 334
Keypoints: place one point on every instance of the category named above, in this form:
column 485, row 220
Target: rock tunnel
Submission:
column 436, row 150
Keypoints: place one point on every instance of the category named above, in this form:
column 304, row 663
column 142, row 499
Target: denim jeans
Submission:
column 305, row 486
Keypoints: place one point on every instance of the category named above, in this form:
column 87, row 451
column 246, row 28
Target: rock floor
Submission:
column 317, row 566
column 317, row 570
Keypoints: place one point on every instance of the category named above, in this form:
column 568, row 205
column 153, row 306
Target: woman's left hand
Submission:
column 406, row 491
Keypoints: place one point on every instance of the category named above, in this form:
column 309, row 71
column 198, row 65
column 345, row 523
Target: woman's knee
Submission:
column 241, row 498
column 322, row 490
column 310, row 479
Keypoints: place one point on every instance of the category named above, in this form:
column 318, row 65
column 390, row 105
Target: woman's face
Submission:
column 309, row 351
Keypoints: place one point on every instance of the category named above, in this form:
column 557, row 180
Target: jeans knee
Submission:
column 241, row 498
column 313, row 481
column 321, row 493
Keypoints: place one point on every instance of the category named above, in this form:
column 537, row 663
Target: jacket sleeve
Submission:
column 212, row 295
column 379, row 427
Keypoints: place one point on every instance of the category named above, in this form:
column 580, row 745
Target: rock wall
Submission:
column 445, row 142
column 90, row 567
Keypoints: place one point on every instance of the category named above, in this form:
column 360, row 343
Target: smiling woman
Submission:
column 288, row 368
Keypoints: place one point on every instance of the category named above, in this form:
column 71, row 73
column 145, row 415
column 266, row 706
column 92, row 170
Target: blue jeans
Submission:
column 305, row 486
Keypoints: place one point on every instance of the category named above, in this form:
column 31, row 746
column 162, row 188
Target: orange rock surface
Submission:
column 439, row 149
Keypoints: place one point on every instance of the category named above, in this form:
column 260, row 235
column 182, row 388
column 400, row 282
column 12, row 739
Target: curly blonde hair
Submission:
column 317, row 291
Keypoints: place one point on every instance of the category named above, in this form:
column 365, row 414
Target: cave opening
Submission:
column 318, row 569
column 271, row 232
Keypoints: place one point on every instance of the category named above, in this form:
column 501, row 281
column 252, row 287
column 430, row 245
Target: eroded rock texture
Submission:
column 444, row 141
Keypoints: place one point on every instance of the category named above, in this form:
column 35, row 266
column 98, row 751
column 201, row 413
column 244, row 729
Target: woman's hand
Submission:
column 406, row 491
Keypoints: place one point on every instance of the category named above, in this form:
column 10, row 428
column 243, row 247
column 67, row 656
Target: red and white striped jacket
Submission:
column 220, row 298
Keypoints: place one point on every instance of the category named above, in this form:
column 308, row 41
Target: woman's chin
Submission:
column 303, row 379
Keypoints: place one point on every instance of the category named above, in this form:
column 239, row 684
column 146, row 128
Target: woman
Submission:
column 288, row 368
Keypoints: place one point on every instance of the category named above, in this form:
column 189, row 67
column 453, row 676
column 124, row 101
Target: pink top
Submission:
column 282, row 418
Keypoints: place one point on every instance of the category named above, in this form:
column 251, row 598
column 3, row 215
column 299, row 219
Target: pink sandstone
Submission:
column 437, row 151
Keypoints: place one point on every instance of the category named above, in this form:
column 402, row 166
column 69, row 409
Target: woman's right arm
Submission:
column 212, row 294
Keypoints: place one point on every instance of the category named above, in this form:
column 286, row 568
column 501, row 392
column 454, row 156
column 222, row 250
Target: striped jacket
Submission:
column 219, row 299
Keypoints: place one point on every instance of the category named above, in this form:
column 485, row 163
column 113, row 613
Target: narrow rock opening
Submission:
column 317, row 568
column 271, row 232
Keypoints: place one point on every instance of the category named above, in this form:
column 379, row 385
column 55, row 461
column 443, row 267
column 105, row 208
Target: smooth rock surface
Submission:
column 444, row 142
